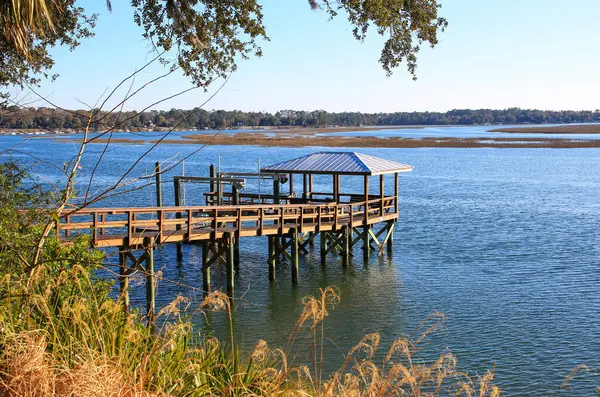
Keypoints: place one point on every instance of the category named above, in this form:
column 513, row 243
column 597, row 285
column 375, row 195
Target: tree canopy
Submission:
column 56, row 119
column 206, row 36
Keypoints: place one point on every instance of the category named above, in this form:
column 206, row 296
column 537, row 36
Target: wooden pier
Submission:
column 290, row 222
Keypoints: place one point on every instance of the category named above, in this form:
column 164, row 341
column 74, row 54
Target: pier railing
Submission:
column 130, row 226
column 227, row 198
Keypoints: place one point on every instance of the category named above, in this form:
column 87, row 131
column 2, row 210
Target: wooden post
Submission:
column 323, row 242
column 177, row 195
column 366, row 243
column 390, row 242
column 310, row 186
column 294, row 248
column 205, row 268
column 366, row 236
column 177, row 191
column 235, row 193
column 271, row 258
column 396, row 193
column 213, row 185
column 276, row 191
column 219, row 190
column 150, row 283
column 291, row 184
column 305, row 186
column 346, row 244
column 335, row 187
column 123, row 278
column 381, row 193
column 158, row 184
column 230, row 265
column 366, row 189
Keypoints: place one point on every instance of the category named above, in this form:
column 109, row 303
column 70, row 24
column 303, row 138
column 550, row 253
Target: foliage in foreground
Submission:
column 205, row 37
column 61, row 334
column 59, row 339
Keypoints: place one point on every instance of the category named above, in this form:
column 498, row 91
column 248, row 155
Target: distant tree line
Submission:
column 54, row 119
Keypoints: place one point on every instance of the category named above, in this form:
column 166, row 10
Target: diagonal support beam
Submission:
column 390, row 231
column 336, row 243
column 307, row 239
column 216, row 256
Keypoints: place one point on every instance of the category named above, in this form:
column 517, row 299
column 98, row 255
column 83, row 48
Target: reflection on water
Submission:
column 504, row 241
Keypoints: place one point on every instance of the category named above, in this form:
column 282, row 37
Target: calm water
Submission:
column 503, row 241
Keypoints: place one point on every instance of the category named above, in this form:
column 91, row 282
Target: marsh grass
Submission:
column 62, row 335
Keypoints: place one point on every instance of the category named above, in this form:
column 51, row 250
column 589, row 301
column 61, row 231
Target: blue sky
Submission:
column 495, row 54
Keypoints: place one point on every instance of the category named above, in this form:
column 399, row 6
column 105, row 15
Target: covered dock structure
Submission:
column 340, row 219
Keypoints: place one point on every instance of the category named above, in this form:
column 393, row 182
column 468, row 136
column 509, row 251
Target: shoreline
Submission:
column 245, row 129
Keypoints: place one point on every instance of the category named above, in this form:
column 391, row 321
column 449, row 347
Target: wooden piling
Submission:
column 323, row 243
column 390, row 241
column 157, row 175
column 271, row 259
column 294, row 248
column 366, row 243
column 123, row 278
column 346, row 244
column 205, row 267
column 177, row 196
column 235, row 193
column 229, row 254
column 150, row 282
column 213, row 185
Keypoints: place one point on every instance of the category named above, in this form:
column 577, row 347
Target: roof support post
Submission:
column 336, row 188
column 396, row 193
column 291, row 184
column 276, row 191
column 366, row 190
column 305, row 186
column 381, row 193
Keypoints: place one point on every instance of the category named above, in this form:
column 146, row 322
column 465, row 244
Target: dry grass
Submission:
column 31, row 371
column 259, row 139
column 30, row 368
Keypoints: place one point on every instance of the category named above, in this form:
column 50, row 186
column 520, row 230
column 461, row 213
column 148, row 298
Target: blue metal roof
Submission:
column 349, row 163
